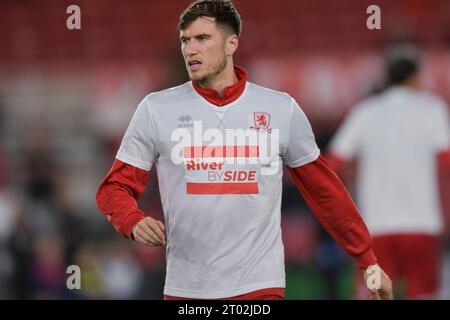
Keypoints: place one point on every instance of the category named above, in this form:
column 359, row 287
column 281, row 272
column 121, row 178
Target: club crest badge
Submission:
column 261, row 122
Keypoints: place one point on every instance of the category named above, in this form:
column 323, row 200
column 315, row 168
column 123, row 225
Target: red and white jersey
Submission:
column 220, row 177
column 396, row 136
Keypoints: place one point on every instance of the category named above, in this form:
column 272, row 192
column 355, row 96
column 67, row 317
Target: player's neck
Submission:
column 225, row 79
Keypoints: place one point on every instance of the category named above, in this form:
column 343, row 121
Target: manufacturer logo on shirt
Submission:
column 261, row 122
column 185, row 121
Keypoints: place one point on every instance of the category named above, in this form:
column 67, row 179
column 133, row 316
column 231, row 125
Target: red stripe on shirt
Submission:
column 221, row 152
column 222, row 188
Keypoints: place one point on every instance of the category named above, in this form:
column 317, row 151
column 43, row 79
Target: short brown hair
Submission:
column 223, row 11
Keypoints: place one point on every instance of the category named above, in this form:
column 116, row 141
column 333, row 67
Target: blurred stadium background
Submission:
column 66, row 98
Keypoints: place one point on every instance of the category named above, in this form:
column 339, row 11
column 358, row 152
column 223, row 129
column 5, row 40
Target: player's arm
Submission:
column 126, row 181
column 336, row 162
column 330, row 202
column 117, row 198
column 326, row 195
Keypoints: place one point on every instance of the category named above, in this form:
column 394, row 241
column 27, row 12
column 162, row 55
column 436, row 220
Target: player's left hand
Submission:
column 378, row 283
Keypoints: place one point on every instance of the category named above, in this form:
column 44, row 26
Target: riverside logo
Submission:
column 208, row 172
column 230, row 163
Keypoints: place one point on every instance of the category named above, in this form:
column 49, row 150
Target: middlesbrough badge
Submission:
column 261, row 121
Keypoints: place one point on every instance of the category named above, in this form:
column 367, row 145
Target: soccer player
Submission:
column 221, row 197
column 399, row 138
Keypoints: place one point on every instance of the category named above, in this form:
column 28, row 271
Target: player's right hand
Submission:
column 150, row 232
column 378, row 283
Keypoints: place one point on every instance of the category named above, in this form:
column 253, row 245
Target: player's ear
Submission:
column 231, row 44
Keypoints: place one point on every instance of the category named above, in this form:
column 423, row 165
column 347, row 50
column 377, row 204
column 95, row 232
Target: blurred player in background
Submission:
column 400, row 139
column 223, row 233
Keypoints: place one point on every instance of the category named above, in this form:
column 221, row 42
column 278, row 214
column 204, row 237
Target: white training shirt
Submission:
column 396, row 136
column 221, row 204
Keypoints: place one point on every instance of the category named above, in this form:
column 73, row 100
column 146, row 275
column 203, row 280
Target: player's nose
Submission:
column 190, row 48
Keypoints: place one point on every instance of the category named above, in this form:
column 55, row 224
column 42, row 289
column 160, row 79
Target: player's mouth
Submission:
column 194, row 65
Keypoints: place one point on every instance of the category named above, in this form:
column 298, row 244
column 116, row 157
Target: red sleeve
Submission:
column 443, row 159
column 330, row 202
column 336, row 162
column 118, row 194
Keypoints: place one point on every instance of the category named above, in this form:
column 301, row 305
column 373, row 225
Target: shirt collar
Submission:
column 231, row 93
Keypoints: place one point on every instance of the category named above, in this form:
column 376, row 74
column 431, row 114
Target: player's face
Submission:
column 203, row 48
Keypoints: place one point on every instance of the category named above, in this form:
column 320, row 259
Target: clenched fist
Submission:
column 378, row 283
column 150, row 232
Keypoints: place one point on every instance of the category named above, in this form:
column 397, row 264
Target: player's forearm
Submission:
column 121, row 209
column 117, row 196
column 330, row 202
